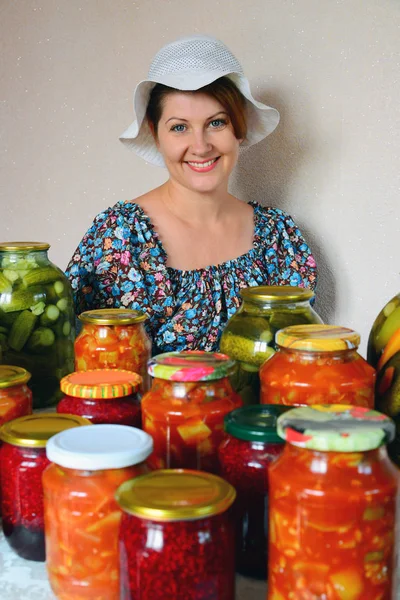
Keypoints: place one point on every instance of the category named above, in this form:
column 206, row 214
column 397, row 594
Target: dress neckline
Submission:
column 210, row 268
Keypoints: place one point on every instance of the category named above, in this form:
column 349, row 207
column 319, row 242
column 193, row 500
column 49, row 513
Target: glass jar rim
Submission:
column 34, row 431
column 336, row 428
column 175, row 495
column 113, row 316
column 23, row 246
column 11, row 376
column 190, row 365
column 255, row 423
column 100, row 384
column 276, row 294
column 318, row 338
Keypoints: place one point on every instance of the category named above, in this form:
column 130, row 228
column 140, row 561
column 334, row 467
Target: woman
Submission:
column 183, row 251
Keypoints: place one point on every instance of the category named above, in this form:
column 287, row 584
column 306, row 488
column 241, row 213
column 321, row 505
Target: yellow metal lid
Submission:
column 276, row 293
column 33, row 431
column 23, row 246
column 10, row 376
column 175, row 495
column 100, row 384
column 318, row 338
column 113, row 316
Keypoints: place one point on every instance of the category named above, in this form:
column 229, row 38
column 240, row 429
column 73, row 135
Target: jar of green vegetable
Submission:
column 384, row 355
column 249, row 336
column 36, row 318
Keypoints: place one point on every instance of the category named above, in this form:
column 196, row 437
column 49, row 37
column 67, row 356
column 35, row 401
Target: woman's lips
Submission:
column 204, row 166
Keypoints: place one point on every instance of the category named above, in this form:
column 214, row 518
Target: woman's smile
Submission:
column 203, row 167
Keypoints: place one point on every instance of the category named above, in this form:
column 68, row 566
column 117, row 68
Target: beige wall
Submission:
column 331, row 67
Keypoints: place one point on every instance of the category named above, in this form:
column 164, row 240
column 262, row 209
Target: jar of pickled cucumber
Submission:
column 37, row 320
column 384, row 355
column 249, row 336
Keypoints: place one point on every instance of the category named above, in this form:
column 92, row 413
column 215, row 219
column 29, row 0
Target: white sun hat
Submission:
column 189, row 64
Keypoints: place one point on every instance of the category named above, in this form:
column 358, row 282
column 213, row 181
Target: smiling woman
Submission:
column 183, row 251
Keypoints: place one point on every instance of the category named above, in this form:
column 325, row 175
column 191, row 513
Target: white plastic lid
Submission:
column 97, row 447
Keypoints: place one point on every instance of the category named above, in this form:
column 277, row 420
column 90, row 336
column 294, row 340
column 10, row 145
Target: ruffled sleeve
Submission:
column 288, row 258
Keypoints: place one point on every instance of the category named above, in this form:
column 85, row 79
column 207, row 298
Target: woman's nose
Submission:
column 200, row 143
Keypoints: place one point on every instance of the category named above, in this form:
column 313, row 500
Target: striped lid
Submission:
column 318, row 338
column 100, row 384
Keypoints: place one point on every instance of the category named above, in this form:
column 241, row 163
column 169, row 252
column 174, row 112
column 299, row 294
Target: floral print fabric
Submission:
column 121, row 262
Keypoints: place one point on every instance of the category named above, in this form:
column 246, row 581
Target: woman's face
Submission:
column 197, row 141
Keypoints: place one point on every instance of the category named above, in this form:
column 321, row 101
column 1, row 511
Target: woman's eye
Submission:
column 178, row 128
column 217, row 123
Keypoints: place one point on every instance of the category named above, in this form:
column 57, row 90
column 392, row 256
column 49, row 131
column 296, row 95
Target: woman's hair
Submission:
column 222, row 89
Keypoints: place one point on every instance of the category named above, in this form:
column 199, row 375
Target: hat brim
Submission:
column 261, row 119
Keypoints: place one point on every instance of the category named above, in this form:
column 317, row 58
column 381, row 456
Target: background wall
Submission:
column 68, row 70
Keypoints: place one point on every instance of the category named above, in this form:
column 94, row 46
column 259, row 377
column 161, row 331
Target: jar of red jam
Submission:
column 23, row 460
column 252, row 445
column 102, row 396
column 82, row 518
column 333, row 498
column 317, row 364
column 184, row 410
column 114, row 338
column 15, row 395
column 176, row 537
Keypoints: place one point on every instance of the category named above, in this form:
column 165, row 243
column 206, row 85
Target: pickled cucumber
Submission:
column 21, row 330
column 40, row 276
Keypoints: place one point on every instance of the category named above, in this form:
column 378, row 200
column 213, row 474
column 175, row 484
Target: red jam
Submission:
column 23, row 460
column 103, row 396
column 245, row 456
column 179, row 555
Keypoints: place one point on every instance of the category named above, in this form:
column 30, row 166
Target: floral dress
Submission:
column 121, row 263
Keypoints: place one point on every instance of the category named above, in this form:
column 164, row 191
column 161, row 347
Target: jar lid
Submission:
column 175, row 495
column 99, row 447
column 23, row 246
column 34, row 431
column 276, row 293
column 255, row 423
column 336, row 428
column 113, row 316
column 100, row 384
column 191, row 365
column 318, row 338
column 10, row 376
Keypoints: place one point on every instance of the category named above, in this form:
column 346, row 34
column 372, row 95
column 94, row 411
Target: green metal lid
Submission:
column 255, row 423
column 336, row 428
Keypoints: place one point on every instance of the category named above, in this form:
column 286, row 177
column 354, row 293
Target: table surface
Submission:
column 27, row 580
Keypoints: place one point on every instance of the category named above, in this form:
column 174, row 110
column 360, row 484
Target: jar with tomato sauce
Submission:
column 102, row 396
column 177, row 537
column 245, row 456
column 317, row 364
column 114, row 338
column 184, row 410
column 81, row 515
column 23, row 460
column 333, row 495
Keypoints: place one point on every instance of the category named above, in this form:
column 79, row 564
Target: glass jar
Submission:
column 103, row 396
column 251, row 446
column 176, row 537
column 332, row 506
column 384, row 355
column 184, row 410
column 249, row 336
column 15, row 395
column 23, row 460
column 81, row 515
column 114, row 338
column 317, row 364
column 37, row 321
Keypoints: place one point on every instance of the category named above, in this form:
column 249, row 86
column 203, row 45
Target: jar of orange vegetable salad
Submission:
column 81, row 515
column 184, row 410
column 102, row 396
column 317, row 364
column 333, row 496
column 114, row 338
column 15, row 395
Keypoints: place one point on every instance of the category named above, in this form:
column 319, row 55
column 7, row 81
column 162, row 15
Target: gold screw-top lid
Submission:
column 23, row 246
column 33, row 431
column 318, row 338
column 276, row 294
column 113, row 316
column 10, row 376
column 175, row 495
